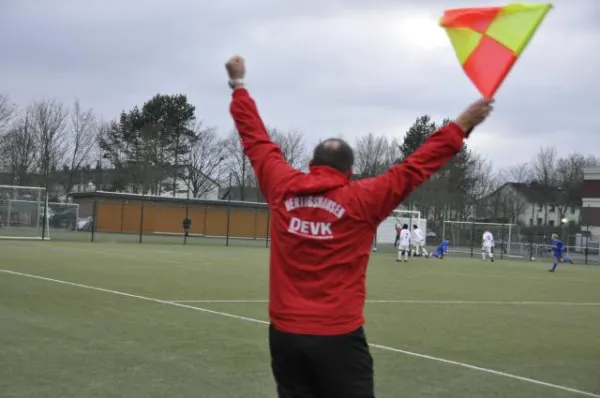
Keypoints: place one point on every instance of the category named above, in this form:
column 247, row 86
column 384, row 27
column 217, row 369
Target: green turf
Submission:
column 66, row 341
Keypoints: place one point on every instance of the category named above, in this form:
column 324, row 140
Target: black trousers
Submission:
column 308, row 366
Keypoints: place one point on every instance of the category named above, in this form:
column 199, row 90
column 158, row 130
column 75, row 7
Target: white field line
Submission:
column 254, row 320
column 440, row 302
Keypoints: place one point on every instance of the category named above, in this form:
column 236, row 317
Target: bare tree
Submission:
column 48, row 124
column 485, row 183
column 114, row 154
column 393, row 153
column 292, row 146
column 238, row 165
column 81, row 138
column 544, row 166
column 569, row 176
column 7, row 111
column 18, row 149
column 372, row 155
column 520, row 173
column 511, row 204
column 544, row 173
column 203, row 162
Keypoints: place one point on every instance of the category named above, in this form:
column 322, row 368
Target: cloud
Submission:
column 327, row 68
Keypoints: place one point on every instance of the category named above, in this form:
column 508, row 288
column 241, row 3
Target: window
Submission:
column 571, row 223
column 539, row 221
column 552, row 208
column 551, row 223
column 540, row 207
column 572, row 209
column 531, row 221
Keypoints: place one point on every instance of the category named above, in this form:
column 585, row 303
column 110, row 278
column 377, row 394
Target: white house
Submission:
column 530, row 204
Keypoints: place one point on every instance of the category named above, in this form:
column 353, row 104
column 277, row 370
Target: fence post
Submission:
column 502, row 240
column 122, row 213
column 268, row 226
column 94, row 217
column 228, row 213
column 45, row 219
column 587, row 239
column 472, row 236
column 228, row 222
column 187, row 213
column 142, row 218
column 509, row 239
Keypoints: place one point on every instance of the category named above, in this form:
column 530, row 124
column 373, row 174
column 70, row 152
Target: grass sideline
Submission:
column 125, row 320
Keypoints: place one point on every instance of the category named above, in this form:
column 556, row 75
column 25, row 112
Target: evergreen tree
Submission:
column 416, row 135
column 148, row 144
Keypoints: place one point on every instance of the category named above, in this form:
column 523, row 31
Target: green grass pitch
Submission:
column 155, row 320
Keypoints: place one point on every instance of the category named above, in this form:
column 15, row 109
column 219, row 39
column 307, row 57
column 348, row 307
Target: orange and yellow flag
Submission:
column 489, row 40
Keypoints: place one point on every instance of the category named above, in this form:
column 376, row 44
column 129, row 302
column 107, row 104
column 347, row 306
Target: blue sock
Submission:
column 554, row 266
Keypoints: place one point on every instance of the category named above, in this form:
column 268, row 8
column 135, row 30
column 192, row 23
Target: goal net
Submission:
column 26, row 214
column 22, row 212
column 386, row 232
column 466, row 237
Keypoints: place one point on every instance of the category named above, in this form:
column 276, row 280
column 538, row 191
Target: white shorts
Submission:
column 486, row 249
column 403, row 248
column 418, row 244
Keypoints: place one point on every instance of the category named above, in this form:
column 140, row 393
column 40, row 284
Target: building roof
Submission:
column 163, row 199
column 533, row 192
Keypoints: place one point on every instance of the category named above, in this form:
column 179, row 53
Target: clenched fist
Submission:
column 235, row 67
column 475, row 114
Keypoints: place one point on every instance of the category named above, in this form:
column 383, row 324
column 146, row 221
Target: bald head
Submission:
column 335, row 153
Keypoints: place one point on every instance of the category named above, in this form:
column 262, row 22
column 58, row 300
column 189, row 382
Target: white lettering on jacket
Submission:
column 310, row 229
column 319, row 202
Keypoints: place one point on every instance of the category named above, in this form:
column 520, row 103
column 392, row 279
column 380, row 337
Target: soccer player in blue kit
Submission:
column 557, row 247
column 441, row 250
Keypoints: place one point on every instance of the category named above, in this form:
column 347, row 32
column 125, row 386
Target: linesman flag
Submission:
column 488, row 40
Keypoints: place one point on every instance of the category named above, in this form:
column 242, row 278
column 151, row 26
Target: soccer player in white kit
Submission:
column 487, row 246
column 404, row 244
column 418, row 242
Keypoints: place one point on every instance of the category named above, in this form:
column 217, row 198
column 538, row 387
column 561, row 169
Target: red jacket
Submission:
column 323, row 224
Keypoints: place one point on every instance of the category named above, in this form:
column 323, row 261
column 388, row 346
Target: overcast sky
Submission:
column 324, row 67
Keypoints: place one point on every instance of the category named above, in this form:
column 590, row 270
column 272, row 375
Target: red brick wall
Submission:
column 591, row 188
column 590, row 215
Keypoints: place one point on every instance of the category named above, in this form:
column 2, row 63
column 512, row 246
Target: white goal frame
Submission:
column 42, row 211
column 386, row 230
column 484, row 224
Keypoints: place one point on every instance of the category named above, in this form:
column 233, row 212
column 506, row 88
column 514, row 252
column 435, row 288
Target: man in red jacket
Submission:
column 322, row 228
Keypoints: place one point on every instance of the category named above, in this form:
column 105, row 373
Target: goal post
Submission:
column 386, row 232
column 465, row 237
column 23, row 212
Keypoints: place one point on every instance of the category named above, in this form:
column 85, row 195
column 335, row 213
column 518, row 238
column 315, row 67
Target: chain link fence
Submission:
column 116, row 218
column 516, row 242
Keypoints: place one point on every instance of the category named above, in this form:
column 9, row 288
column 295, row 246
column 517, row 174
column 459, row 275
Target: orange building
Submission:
column 130, row 213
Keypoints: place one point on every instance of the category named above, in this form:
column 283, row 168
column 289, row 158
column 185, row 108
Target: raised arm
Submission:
column 266, row 157
column 379, row 196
